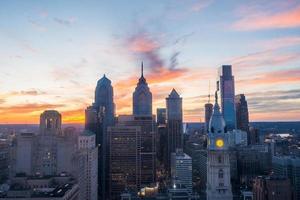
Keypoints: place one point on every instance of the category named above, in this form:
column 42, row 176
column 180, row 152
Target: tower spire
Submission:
column 142, row 70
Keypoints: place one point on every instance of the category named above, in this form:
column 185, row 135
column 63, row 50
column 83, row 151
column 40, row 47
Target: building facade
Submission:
column 88, row 174
column 124, row 160
column 98, row 117
column 174, row 123
column 181, row 169
column 226, row 88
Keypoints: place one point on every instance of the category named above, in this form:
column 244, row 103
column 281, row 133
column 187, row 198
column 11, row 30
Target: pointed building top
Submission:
column 104, row 80
column 142, row 80
column 217, row 123
column 174, row 94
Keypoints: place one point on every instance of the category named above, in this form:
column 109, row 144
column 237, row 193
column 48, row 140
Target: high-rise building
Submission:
column 26, row 153
column 161, row 116
column 142, row 97
column 289, row 167
column 218, row 161
column 54, row 150
column 208, row 113
column 174, row 122
column 99, row 116
column 124, row 160
column 88, row 176
column 148, row 145
column 271, row 187
column 226, row 88
column 242, row 114
column 162, row 138
column 181, row 169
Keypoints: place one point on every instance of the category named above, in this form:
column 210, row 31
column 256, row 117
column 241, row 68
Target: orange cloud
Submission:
column 261, row 20
column 275, row 77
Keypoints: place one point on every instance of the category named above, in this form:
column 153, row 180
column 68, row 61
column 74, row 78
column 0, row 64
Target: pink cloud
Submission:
column 259, row 19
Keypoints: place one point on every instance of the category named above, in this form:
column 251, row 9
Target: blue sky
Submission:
column 53, row 52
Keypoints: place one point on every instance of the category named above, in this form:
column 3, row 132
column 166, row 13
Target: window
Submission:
column 219, row 159
column 221, row 173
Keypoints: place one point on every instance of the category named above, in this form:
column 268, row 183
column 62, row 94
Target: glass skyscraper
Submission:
column 226, row 89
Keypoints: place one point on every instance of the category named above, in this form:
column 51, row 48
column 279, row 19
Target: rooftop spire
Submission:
column 142, row 70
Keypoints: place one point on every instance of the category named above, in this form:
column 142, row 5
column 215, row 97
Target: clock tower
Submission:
column 218, row 165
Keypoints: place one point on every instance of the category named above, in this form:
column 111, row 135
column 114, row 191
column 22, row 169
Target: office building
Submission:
column 181, row 169
column 88, row 174
column 226, row 88
column 26, row 153
column 288, row 166
column 174, row 122
column 161, row 116
column 124, row 160
column 271, row 187
column 98, row 117
column 148, row 145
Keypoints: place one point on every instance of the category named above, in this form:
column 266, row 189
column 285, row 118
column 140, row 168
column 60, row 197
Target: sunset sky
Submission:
column 52, row 52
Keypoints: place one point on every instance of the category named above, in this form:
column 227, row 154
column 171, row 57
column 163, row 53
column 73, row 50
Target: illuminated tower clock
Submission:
column 218, row 165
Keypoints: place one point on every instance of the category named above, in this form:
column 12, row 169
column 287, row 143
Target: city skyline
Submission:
column 52, row 58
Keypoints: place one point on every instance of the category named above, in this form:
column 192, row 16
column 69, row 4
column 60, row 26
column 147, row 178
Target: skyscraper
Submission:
column 142, row 97
column 161, row 115
column 242, row 115
column 174, row 122
column 124, row 159
column 88, row 152
column 227, row 92
column 218, row 163
column 148, row 145
column 162, row 139
column 99, row 116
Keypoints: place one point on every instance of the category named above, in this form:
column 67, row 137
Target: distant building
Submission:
column 88, row 174
column 124, row 160
column 269, row 188
column 227, row 93
column 253, row 161
column 289, row 167
column 218, row 160
column 142, row 98
column 242, row 114
column 237, row 138
column 181, row 169
column 161, row 116
column 174, row 122
column 253, row 136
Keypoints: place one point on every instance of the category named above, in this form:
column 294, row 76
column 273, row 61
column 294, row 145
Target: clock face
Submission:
column 219, row 143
